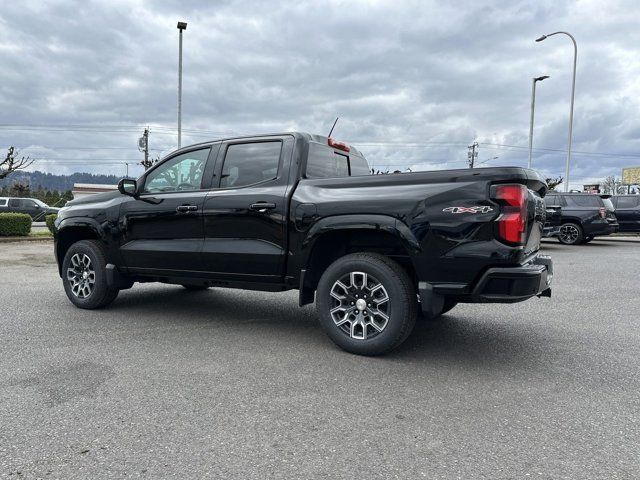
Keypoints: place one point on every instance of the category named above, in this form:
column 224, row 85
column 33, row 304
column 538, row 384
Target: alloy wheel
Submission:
column 569, row 233
column 360, row 305
column 81, row 276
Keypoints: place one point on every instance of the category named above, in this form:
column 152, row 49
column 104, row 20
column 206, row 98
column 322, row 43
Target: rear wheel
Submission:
column 587, row 239
column 570, row 234
column 84, row 275
column 366, row 303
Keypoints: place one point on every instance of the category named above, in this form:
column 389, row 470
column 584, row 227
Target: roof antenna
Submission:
column 334, row 126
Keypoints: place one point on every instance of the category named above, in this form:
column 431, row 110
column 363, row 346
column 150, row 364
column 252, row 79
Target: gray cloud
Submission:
column 436, row 75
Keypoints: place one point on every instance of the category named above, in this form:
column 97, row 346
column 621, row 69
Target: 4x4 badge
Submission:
column 479, row 209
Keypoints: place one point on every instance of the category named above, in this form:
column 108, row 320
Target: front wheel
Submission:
column 570, row 234
column 366, row 303
column 84, row 275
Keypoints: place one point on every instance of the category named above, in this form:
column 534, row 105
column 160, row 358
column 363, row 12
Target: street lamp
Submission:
column 181, row 26
column 533, row 107
column 573, row 91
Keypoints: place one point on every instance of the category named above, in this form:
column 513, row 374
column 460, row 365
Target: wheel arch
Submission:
column 70, row 233
column 334, row 237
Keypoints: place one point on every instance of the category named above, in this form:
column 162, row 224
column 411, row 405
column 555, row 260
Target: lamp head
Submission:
column 182, row 25
column 539, row 79
column 541, row 38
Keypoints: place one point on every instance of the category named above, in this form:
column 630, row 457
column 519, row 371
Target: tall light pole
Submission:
column 573, row 92
column 533, row 107
column 181, row 26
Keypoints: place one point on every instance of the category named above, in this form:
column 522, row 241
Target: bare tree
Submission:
column 612, row 186
column 554, row 182
column 20, row 190
column 12, row 164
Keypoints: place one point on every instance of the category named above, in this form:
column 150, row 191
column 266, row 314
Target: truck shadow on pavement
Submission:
column 455, row 338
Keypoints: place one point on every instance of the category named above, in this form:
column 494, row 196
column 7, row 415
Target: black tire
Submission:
column 100, row 294
column 196, row 288
column 446, row 306
column 400, row 307
column 587, row 239
column 570, row 234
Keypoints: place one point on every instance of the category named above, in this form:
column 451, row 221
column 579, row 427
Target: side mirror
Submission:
column 128, row 186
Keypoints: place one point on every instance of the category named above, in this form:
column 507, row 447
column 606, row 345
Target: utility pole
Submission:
column 573, row 94
column 533, row 107
column 181, row 26
column 143, row 146
column 473, row 153
column 145, row 135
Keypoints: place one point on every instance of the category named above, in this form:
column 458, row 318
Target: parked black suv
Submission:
column 31, row 206
column 300, row 211
column 584, row 216
column 627, row 212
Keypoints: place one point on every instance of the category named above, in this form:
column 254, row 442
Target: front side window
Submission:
column 181, row 173
column 250, row 163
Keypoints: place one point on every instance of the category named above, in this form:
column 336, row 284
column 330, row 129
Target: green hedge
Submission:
column 50, row 219
column 15, row 225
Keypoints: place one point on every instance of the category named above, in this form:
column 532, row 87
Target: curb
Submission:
column 24, row 239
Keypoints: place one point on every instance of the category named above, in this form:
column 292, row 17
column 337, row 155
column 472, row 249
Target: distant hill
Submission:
column 56, row 182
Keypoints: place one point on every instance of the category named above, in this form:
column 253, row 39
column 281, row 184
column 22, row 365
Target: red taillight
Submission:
column 512, row 224
column 338, row 145
column 603, row 212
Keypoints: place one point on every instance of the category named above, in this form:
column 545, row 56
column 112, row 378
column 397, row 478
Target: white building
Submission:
column 83, row 189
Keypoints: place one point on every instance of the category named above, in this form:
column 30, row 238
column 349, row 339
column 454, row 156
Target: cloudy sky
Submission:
column 414, row 82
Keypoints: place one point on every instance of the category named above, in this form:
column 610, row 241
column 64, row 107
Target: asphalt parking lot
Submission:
column 235, row 384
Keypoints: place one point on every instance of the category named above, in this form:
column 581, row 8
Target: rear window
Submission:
column 584, row 201
column 627, row 202
column 608, row 203
column 325, row 162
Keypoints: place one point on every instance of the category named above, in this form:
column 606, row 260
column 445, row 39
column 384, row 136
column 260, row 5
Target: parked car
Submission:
column 627, row 212
column 584, row 216
column 300, row 211
column 32, row 206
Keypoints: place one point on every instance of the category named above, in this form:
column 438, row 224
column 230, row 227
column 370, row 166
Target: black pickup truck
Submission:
column 301, row 211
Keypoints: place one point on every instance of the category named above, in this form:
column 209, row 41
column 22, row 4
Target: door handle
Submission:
column 262, row 207
column 186, row 208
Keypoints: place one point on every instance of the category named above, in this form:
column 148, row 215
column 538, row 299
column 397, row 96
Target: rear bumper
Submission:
column 603, row 229
column 496, row 285
column 515, row 284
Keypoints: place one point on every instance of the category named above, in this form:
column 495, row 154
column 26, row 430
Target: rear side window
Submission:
column 325, row 162
column 584, row 201
column 3, row 202
column 627, row 202
column 14, row 202
column 249, row 163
